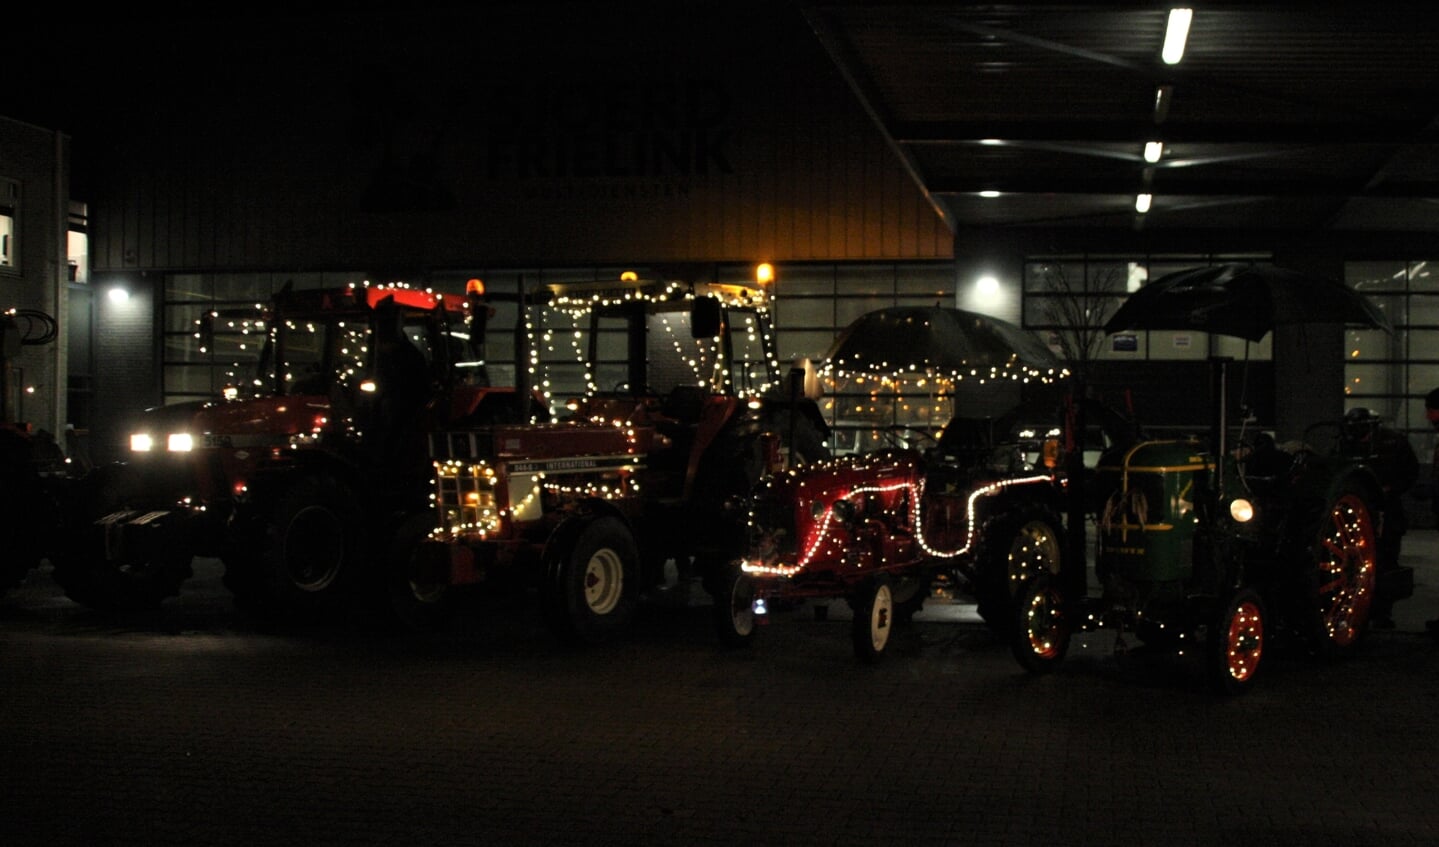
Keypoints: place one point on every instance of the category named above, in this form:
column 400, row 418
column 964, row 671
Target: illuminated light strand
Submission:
column 916, row 493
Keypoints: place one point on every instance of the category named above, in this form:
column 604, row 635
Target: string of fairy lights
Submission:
column 824, row 543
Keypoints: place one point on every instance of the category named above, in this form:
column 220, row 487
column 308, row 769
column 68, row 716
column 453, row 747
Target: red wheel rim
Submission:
column 1043, row 622
column 1244, row 641
column 1347, row 563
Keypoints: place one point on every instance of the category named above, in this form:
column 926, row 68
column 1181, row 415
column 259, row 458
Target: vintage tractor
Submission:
column 976, row 509
column 298, row 470
column 676, row 409
column 881, row 529
column 1221, row 549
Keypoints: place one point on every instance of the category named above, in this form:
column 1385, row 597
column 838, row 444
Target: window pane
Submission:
column 1376, row 276
column 812, row 344
column 1055, row 277
column 933, row 281
column 806, row 313
column 1423, row 378
column 1422, row 276
column 1369, row 380
column 804, row 280
column 1178, row 345
column 848, row 309
column 1257, row 351
column 1362, row 345
column 1423, row 310
column 865, row 279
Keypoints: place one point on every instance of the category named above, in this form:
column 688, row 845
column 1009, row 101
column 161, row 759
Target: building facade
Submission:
column 244, row 153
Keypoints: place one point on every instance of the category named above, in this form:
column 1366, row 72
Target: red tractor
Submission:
column 881, row 529
column 298, row 471
column 679, row 409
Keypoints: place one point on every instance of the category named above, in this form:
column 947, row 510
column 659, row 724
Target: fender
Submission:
column 562, row 539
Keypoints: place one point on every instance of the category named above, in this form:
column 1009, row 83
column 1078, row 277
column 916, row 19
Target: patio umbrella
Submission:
column 1244, row 301
column 940, row 342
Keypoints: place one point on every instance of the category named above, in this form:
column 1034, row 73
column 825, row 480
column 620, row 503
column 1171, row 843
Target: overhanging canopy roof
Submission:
column 1282, row 116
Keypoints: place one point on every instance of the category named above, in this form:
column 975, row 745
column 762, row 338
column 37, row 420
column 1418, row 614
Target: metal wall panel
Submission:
column 772, row 157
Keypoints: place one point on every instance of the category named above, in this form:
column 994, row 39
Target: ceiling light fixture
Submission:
column 1152, row 151
column 1141, row 203
column 989, row 193
column 1175, row 35
column 1162, row 96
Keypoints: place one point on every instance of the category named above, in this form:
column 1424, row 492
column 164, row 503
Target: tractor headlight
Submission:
column 141, row 442
column 1241, row 510
column 180, row 442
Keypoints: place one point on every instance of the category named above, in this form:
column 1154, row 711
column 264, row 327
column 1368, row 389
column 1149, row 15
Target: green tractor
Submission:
column 1215, row 545
column 1221, row 549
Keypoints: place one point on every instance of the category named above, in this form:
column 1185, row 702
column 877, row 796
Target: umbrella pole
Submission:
column 1074, row 564
column 1219, row 438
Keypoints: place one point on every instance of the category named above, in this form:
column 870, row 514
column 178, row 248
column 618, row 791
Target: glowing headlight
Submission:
column 1241, row 510
column 180, row 442
column 141, row 442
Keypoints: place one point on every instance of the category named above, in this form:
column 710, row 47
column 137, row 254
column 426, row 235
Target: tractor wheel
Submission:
column 415, row 584
column 311, row 551
column 1235, row 644
column 135, row 576
column 590, row 595
column 1013, row 548
column 1040, row 630
column 733, row 608
column 873, row 606
column 1343, row 575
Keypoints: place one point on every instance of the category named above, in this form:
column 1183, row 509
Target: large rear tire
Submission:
column 1014, row 548
column 118, row 559
column 1343, row 573
column 310, row 553
column 592, row 584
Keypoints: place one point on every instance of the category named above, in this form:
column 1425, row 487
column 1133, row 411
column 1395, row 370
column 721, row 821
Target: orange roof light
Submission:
column 764, row 273
column 475, row 286
column 629, row 276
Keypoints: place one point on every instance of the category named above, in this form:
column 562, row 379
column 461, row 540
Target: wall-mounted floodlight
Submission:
column 1142, row 202
column 118, row 294
column 1153, row 150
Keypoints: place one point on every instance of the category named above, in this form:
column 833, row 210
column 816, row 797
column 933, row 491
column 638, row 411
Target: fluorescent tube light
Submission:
column 1175, row 35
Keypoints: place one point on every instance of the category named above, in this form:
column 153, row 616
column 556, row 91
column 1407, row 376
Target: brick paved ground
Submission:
column 199, row 728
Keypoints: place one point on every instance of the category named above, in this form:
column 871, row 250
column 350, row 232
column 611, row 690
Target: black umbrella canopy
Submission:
column 1244, row 301
column 940, row 342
